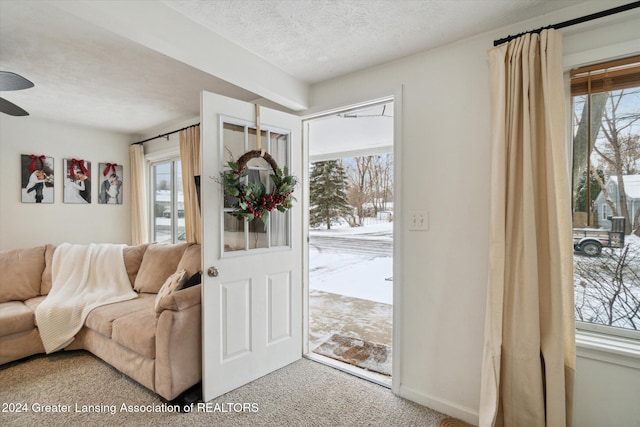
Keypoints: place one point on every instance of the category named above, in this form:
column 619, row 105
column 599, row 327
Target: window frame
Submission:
column 153, row 160
column 267, row 130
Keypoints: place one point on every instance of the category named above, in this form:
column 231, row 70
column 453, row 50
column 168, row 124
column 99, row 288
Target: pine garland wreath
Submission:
column 252, row 200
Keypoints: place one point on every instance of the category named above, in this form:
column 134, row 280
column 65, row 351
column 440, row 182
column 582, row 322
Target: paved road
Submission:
column 361, row 244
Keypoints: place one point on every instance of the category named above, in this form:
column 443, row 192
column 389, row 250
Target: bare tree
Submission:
column 357, row 175
column 615, row 152
column 374, row 183
column 607, row 288
column 629, row 154
column 370, row 181
column 357, row 198
column 380, row 181
column 605, row 192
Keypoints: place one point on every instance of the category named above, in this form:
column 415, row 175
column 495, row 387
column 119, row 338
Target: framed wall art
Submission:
column 37, row 178
column 110, row 176
column 77, row 181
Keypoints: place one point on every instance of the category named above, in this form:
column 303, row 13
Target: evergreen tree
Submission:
column 581, row 203
column 327, row 193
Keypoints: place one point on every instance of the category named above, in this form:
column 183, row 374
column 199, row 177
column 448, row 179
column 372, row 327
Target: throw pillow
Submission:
column 159, row 261
column 174, row 283
column 133, row 256
column 190, row 260
column 21, row 273
column 193, row 280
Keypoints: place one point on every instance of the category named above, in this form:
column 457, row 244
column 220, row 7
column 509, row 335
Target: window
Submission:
column 167, row 201
column 240, row 234
column 606, row 175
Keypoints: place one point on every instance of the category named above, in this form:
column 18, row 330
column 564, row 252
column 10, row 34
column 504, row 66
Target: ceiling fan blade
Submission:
column 11, row 109
column 13, row 81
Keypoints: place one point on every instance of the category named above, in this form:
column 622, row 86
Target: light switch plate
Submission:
column 418, row 221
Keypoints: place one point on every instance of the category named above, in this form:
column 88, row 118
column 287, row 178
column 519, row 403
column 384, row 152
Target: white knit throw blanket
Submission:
column 84, row 277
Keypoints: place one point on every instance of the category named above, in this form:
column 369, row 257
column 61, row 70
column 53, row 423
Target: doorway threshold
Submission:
column 374, row 377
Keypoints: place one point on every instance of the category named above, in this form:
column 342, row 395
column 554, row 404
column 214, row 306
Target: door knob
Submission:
column 213, row 272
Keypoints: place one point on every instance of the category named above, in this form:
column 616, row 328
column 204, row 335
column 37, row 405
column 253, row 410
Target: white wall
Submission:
column 606, row 392
column 445, row 155
column 29, row 224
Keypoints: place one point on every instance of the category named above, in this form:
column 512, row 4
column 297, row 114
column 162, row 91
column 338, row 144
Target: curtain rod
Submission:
column 165, row 134
column 575, row 21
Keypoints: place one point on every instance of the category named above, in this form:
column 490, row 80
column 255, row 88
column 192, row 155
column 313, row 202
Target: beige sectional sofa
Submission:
column 157, row 345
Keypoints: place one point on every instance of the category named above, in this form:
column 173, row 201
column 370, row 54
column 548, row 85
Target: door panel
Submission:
column 252, row 311
column 279, row 305
column 236, row 318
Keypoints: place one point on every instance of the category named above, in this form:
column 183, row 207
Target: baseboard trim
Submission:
column 445, row 406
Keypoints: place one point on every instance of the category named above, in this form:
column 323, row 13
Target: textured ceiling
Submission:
column 315, row 40
column 98, row 76
column 84, row 74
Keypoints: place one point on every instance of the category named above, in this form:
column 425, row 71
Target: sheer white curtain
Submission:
column 190, row 162
column 529, row 353
column 139, row 203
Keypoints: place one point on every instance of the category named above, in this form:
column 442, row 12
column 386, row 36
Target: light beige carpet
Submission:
column 354, row 351
column 304, row 393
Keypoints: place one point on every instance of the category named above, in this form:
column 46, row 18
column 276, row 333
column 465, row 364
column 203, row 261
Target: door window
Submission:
column 239, row 233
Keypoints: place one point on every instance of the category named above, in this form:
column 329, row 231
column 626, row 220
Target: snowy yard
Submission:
column 607, row 287
column 349, row 270
column 350, row 284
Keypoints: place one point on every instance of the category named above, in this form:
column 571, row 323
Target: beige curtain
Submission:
column 190, row 161
column 529, row 352
column 139, row 217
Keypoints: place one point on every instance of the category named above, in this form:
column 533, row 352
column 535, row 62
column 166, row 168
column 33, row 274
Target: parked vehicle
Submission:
column 167, row 212
column 590, row 241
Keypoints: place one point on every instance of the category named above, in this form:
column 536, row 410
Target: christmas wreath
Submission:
column 251, row 199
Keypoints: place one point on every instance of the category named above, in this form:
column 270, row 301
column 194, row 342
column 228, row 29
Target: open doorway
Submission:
column 351, row 217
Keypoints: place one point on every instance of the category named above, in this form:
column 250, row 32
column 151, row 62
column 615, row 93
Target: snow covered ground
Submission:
column 350, row 271
column 607, row 287
column 350, row 284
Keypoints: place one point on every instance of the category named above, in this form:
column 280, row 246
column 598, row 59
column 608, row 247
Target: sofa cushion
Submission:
column 137, row 331
column 191, row 260
column 33, row 303
column 21, row 273
column 158, row 263
column 132, row 259
column 15, row 317
column 45, row 285
column 174, row 283
column 101, row 319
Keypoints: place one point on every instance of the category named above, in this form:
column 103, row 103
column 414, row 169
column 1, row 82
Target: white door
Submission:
column 252, row 310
